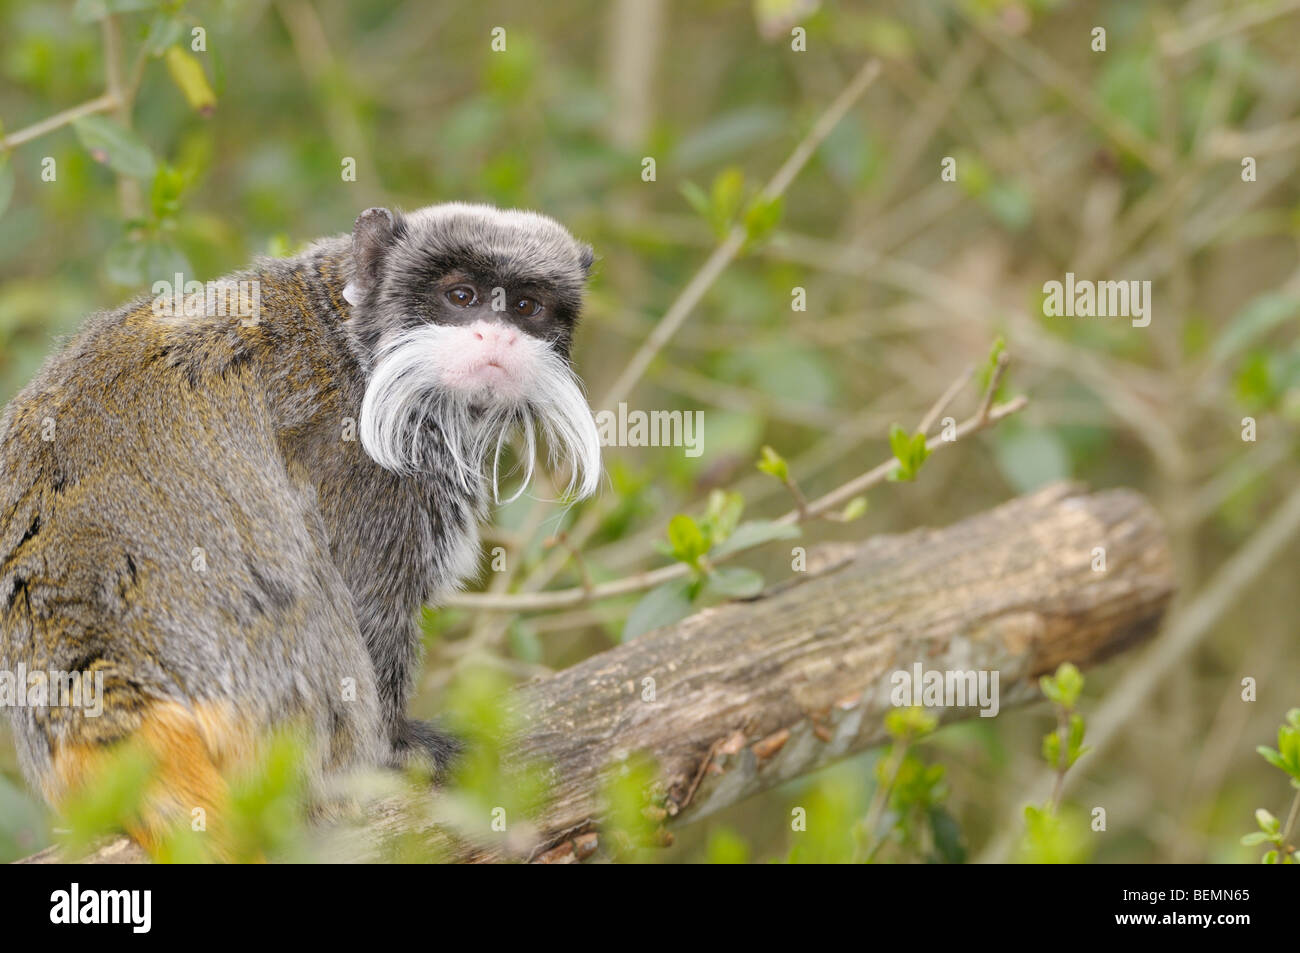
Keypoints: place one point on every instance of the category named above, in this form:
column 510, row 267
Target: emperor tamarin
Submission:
column 235, row 519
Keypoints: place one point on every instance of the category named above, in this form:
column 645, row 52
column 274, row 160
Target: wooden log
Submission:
column 750, row 694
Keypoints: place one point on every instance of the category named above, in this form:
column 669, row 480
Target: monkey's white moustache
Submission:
column 417, row 417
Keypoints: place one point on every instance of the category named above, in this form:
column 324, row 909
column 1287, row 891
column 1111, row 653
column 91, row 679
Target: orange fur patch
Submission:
column 192, row 749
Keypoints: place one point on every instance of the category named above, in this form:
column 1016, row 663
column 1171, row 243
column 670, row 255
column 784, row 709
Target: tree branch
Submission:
column 751, row 694
column 100, row 104
column 803, row 512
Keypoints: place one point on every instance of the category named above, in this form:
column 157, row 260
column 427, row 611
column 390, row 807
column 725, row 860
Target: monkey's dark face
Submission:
column 466, row 315
column 489, row 313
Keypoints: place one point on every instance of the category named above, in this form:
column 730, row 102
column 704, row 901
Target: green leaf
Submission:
column 773, row 463
column 696, row 198
column 112, row 800
column 1253, row 384
column 188, row 75
column 920, row 451
column 124, row 263
column 624, row 787
column 730, row 134
column 727, row 192
column 973, row 174
column 719, row 206
column 782, row 365
column 910, row 451
column 726, row 847
column 1076, row 737
column 165, row 193
column 947, row 836
column 761, row 219
column 722, row 514
column 1011, row 204
column 995, row 355
column 279, row 245
column 888, row 37
column 1267, row 822
column 1054, row 839
column 1052, row 749
column 1272, row 757
column 164, row 31
column 909, row 724
column 108, row 141
column 898, row 440
column 1047, row 685
column 1125, row 86
column 686, row 539
column 1070, row 682
column 1259, row 316
column 735, row 582
column 848, row 153
column 1251, row 840
column 663, row 605
column 754, row 533
column 133, row 263
column 856, row 508
column 1030, row 458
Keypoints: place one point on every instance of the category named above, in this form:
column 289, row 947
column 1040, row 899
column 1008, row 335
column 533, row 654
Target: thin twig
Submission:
column 800, row 501
column 881, row 473
column 1062, row 756
column 129, row 195
column 948, row 397
column 117, row 99
column 995, row 380
column 101, row 104
column 562, row 539
column 1220, row 25
column 1051, row 74
column 880, row 799
column 567, row 598
column 724, row 253
column 1286, row 848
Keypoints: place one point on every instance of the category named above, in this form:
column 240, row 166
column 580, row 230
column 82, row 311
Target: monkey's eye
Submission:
column 462, row 296
column 527, row 307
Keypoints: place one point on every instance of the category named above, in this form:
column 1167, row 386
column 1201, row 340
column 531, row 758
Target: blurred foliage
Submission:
column 1056, row 833
column 1123, row 164
column 1282, row 835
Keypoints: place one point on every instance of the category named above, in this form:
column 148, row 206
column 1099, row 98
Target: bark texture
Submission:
column 745, row 696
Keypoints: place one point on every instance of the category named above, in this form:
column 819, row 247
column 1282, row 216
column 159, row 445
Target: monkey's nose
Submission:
column 495, row 334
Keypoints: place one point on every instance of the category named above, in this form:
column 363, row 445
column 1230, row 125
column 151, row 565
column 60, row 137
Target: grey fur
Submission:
column 177, row 434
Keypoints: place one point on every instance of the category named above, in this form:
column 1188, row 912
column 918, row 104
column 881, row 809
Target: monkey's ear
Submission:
column 586, row 258
column 374, row 233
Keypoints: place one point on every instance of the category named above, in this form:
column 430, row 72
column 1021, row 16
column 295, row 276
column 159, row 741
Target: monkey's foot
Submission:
column 420, row 744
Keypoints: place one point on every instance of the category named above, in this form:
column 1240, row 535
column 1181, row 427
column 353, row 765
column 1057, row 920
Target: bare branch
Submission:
column 947, row 398
column 724, row 253
column 752, row 694
column 101, row 104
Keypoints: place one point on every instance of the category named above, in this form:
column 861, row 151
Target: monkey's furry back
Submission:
column 181, row 510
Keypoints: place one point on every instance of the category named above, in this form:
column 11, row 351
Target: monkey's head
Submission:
column 463, row 316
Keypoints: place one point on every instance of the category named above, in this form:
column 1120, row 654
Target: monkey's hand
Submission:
column 420, row 744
